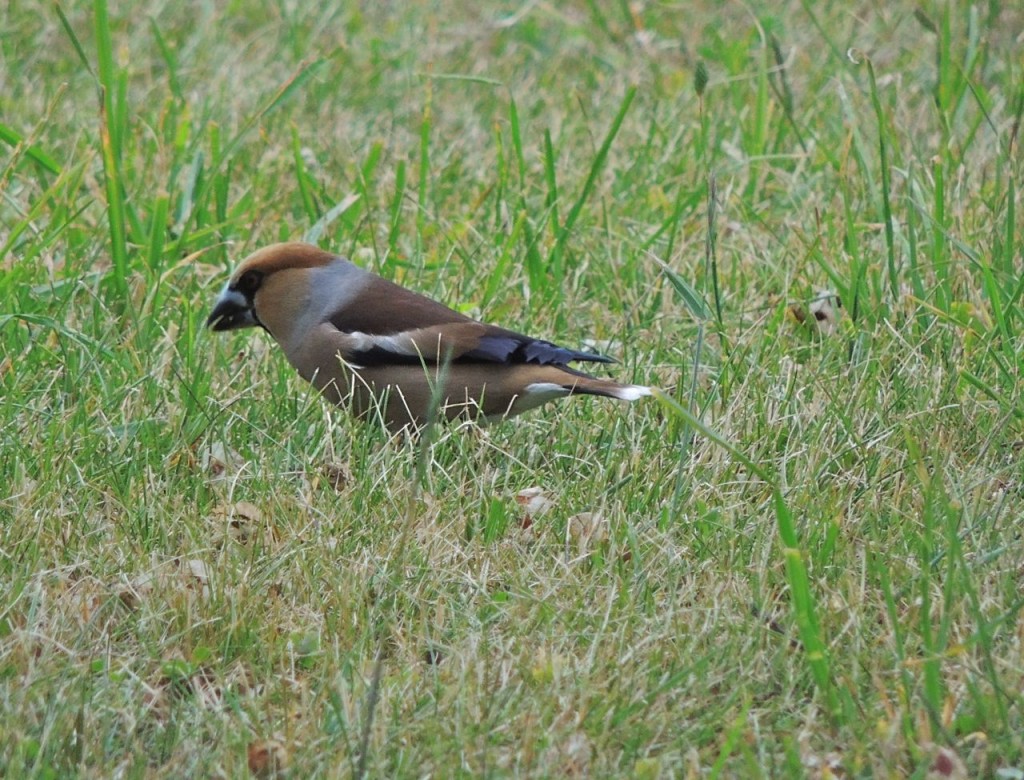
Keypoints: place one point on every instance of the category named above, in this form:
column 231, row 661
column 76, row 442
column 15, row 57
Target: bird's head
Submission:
column 264, row 282
column 236, row 305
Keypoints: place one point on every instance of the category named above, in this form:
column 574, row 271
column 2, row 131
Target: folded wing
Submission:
column 458, row 342
column 388, row 324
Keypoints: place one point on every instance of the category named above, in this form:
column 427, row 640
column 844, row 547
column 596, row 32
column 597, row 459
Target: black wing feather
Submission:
column 514, row 348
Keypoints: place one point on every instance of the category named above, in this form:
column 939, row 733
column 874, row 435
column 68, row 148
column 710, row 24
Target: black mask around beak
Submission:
column 232, row 311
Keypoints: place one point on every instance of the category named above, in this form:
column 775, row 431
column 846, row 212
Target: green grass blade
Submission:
column 73, row 37
column 691, row 298
column 314, row 234
column 883, row 161
column 110, row 145
column 13, row 138
column 303, row 179
column 169, row 59
column 549, row 174
column 395, row 227
column 595, row 169
column 424, row 166
column 802, row 597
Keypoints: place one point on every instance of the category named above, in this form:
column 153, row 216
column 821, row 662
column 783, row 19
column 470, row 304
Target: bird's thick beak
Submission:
column 231, row 312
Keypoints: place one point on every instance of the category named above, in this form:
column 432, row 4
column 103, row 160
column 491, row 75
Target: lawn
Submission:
column 800, row 220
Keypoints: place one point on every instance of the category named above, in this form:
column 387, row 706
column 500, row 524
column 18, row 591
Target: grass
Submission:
column 805, row 559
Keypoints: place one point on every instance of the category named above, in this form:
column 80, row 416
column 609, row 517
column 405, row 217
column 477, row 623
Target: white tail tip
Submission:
column 632, row 392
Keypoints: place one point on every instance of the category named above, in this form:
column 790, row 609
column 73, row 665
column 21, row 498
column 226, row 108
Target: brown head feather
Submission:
column 277, row 257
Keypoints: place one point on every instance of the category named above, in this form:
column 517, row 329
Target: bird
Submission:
column 384, row 351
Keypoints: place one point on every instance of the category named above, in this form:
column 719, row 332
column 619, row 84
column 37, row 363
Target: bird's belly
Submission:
column 399, row 396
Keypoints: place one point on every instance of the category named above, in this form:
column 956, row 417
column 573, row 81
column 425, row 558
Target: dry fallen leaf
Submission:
column 821, row 314
column 588, row 527
column 242, row 520
column 218, row 460
column 197, row 569
column 946, row 765
column 337, row 475
column 536, row 502
column 826, row 309
column 267, row 758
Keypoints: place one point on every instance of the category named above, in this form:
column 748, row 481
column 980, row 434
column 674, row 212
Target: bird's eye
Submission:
column 249, row 282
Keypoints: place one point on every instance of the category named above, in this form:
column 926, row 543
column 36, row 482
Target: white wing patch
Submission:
column 545, row 390
column 398, row 344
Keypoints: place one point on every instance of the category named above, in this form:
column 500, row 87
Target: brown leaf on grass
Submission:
column 198, row 570
column 946, row 765
column 130, row 598
column 825, row 310
column 192, row 575
column 821, row 314
column 267, row 758
column 241, row 520
column 255, row 350
column 336, row 475
column 165, row 574
column 536, row 502
column 588, row 528
column 134, row 591
column 243, row 510
column 195, row 572
column 219, row 461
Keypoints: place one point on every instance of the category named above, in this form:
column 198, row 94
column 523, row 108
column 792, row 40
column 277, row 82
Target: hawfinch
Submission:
column 378, row 348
